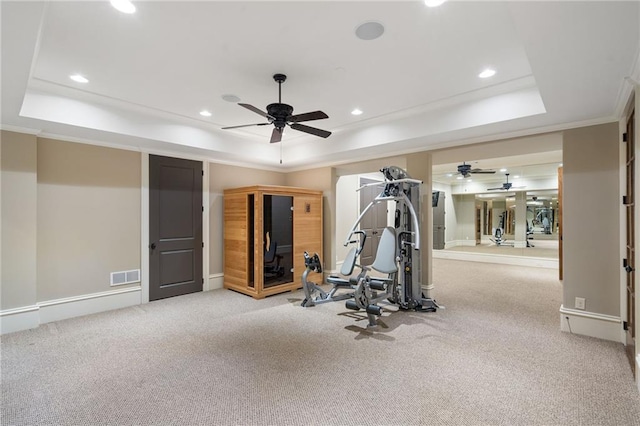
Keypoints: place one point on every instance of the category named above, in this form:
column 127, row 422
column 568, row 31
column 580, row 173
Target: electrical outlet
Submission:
column 580, row 303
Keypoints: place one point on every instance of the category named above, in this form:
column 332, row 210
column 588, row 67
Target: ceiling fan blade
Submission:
column 308, row 116
column 494, row 189
column 480, row 171
column 245, row 125
column 276, row 135
column 257, row 111
column 311, row 130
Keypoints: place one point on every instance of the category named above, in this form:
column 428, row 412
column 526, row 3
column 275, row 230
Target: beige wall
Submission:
column 18, row 166
column 591, row 225
column 323, row 179
column 88, row 217
column 223, row 177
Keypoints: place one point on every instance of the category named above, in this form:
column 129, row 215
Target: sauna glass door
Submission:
column 277, row 240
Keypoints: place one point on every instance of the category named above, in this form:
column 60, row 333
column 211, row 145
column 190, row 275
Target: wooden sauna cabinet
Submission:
column 267, row 229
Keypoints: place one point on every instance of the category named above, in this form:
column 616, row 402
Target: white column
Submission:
column 520, row 236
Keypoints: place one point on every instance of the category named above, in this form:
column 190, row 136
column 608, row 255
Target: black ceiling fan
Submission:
column 465, row 170
column 505, row 186
column 280, row 115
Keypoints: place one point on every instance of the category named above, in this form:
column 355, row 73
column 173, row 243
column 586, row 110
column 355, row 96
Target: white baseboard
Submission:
column 536, row 262
column 27, row 317
column 70, row 307
column 638, row 370
column 459, row 243
column 592, row 324
column 216, row 281
column 450, row 244
column 12, row 320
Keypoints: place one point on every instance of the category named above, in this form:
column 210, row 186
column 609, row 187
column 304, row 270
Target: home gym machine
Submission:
column 395, row 274
column 498, row 233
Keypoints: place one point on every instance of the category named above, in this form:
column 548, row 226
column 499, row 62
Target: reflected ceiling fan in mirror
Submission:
column 505, row 186
column 281, row 115
column 465, row 170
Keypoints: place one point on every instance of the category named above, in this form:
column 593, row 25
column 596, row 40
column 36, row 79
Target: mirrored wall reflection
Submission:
column 542, row 213
column 514, row 223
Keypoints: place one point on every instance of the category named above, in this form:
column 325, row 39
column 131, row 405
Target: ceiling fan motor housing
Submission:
column 280, row 112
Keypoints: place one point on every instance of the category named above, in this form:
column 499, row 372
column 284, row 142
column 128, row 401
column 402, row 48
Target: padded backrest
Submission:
column 270, row 255
column 349, row 262
column 386, row 255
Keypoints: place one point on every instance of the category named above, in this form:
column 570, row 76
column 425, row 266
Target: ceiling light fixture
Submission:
column 124, row 6
column 503, row 170
column 205, row 113
column 434, row 3
column 487, row 73
column 356, row 111
column 78, row 78
column 370, row 30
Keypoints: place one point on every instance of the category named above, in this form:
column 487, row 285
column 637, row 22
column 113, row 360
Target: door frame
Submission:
column 144, row 221
column 630, row 113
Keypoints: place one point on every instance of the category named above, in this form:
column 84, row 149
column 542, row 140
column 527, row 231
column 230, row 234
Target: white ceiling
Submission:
column 559, row 65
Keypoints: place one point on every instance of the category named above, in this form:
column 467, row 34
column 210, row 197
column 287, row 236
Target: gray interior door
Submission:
column 374, row 221
column 175, row 227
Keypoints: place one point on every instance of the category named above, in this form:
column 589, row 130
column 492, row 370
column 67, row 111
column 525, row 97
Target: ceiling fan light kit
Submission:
column 281, row 115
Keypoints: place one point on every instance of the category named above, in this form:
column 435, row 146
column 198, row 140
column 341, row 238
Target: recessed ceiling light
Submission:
column 503, row 170
column 356, row 111
column 205, row 113
column 434, row 3
column 78, row 78
column 516, row 177
column 487, row 73
column 449, row 174
column 124, row 6
column 231, row 98
column 459, row 177
column 370, row 30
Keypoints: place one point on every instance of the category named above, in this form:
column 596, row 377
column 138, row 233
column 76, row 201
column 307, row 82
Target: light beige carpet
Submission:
column 495, row 356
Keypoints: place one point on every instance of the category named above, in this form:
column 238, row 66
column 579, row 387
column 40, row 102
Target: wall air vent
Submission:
column 125, row 277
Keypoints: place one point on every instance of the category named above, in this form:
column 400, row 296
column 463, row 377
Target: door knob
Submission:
column 629, row 268
column 152, row 246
